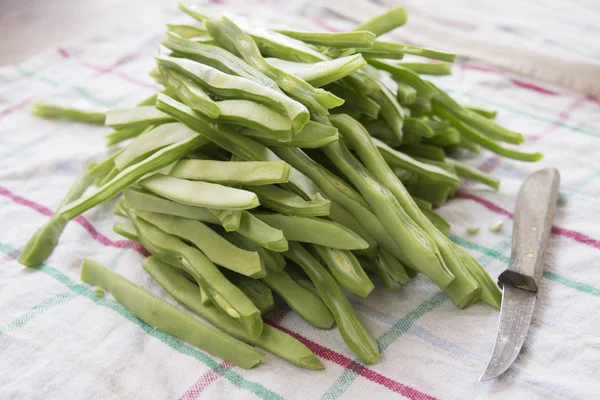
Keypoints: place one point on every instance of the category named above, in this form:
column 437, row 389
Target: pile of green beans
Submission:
column 283, row 165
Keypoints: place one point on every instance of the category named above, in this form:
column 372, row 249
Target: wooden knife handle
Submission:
column 531, row 229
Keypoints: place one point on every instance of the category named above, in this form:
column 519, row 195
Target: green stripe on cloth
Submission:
column 40, row 308
column 174, row 343
column 17, row 150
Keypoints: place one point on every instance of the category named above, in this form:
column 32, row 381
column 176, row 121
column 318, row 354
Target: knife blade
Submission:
column 534, row 210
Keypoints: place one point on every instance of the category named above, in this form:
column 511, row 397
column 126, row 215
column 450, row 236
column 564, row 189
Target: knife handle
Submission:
column 531, row 229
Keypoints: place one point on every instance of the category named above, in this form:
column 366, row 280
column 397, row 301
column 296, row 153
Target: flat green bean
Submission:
column 121, row 135
column 138, row 117
column 367, row 105
column 381, row 130
column 484, row 112
column 186, row 31
column 355, row 335
column 385, row 22
column 127, row 230
column 438, row 68
column 336, row 39
column 256, row 116
column 444, row 138
column 346, row 269
column 167, row 318
column 256, row 290
column 315, row 230
column 405, row 75
column 424, row 150
column 313, row 135
column 233, row 173
column 230, row 219
column 273, row 261
column 406, row 94
column 305, row 303
column 391, row 111
column 468, row 172
column 288, row 203
column 54, row 110
column 271, row 339
column 418, row 127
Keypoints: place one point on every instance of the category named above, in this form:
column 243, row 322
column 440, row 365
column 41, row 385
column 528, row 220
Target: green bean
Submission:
column 271, row 339
column 288, row 203
column 367, row 105
column 243, row 147
column 216, row 249
column 257, row 291
column 71, row 112
column 273, row 261
column 144, row 201
column 406, row 94
column 200, row 194
column 230, row 219
column 343, row 217
column 186, row 31
column 391, row 50
column 323, row 72
column 490, row 293
column 127, row 230
column 343, row 194
column 438, row 68
column 477, row 137
column 108, row 177
column 385, row 22
column 444, row 138
column 469, row 144
column 313, row 135
column 440, row 223
column 190, row 92
column 406, row 76
column 484, row 112
column 236, row 88
column 102, row 168
column 262, row 234
column 435, row 193
column 223, row 293
column 381, row 130
column 218, row 58
column 404, row 161
column 233, row 173
column 421, row 107
column 362, row 82
column 391, row 111
column 138, row 117
column 204, row 297
column 336, row 39
column 233, row 38
column 463, row 288
column 306, row 304
column 119, row 136
column 119, row 208
column 423, row 204
column 256, row 116
column 381, row 269
column 151, row 141
column 424, row 150
column 165, row 317
column 346, row 269
column 355, row 335
column 42, row 243
column 468, row 172
column 315, row 230
column 418, row 127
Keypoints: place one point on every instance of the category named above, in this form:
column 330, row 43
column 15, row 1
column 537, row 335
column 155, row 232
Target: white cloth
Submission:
column 58, row 340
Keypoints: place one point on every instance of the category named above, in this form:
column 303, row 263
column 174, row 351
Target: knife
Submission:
column 520, row 282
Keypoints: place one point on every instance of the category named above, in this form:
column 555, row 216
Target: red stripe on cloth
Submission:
column 577, row 236
column 80, row 220
column 361, row 370
column 15, row 107
column 319, row 22
column 205, row 381
column 532, row 86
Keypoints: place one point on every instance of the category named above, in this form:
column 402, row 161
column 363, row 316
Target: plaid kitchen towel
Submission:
column 59, row 340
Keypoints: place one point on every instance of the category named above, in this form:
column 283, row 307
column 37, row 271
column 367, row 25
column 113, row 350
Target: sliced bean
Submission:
column 385, row 22
column 343, row 217
column 186, row 31
column 230, row 219
column 428, row 68
column 165, row 317
column 391, row 111
column 45, row 239
column 484, row 112
column 380, row 270
column 315, row 230
column 392, row 266
column 257, row 291
column 336, row 39
column 440, row 223
column 288, row 203
column 406, row 94
column 367, row 105
column 405, row 75
column 418, row 127
column 233, row 173
column 217, row 249
column 444, row 138
column 302, row 279
column 323, row 72
column 313, row 135
column 307, row 305
column 468, row 172
column 127, row 230
column 261, row 233
column 102, row 168
column 256, row 116
column 271, row 339
column 272, row 260
column 346, row 269
column 200, row 194
column 72, row 112
column 235, row 87
column 223, row 293
column 138, row 117
column 122, row 135
column 382, row 131
column 355, row 335
column 423, row 150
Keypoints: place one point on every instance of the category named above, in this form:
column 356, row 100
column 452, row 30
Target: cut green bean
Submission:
column 273, row 261
column 418, row 127
column 216, row 249
column 406, row 94
column 438, row 68
column 468, row 172
column 119, row 136
column 167, row 318
column 336, row 39
column 261, row 233
column 440, row 223
column 391, row 111
column 127, row 230
column 190, row 92
column 271, row 339
column 236, row 88
column 306, row 304
column 472, row 229
column 223, row 293
column 313, row 135
column 385, row 22
column 355, row 335
column 366, row 105
column 343, row 217
column 392, row 266
column 444, row 138
column 315, row 230
column 406, row 76
column 151, row 141
column 230, row 219
column 138, row 117
column 484, row 112
column 288, row 203
column 186, row 31
column 382, row 131
column 257, row 291
column 378, row 266
column 233, row 38
column 424, row 151
column 102, row 168
column 323, row 72
column 346, row 269
column 119, row 208
column 233, row 173
column 45, row 239
column 200, row 194
column 255, row 116
column 302, row 279
column 73, row 112
column 496, row 226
